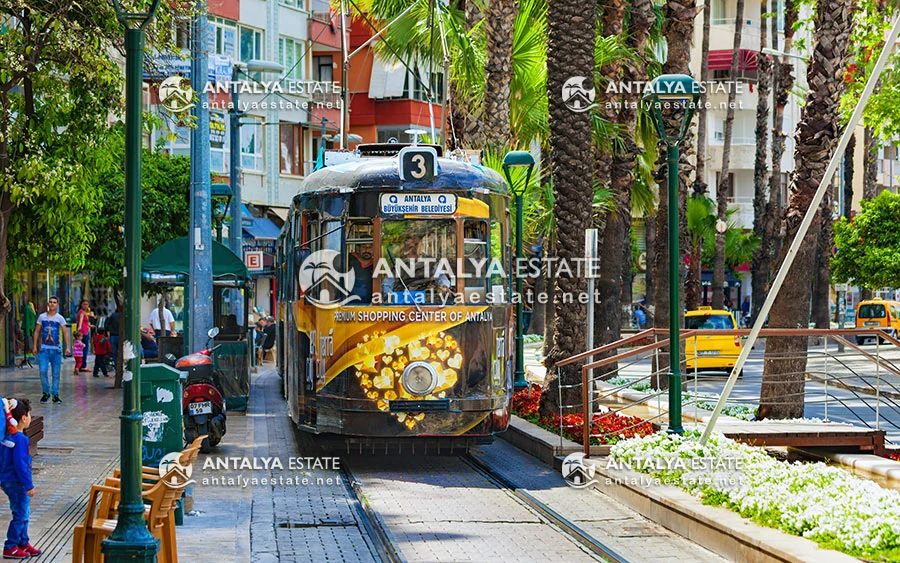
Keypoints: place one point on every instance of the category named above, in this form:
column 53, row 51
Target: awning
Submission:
column 387, row 79
column 261, row 228
column 721, row 59
column 174, row 257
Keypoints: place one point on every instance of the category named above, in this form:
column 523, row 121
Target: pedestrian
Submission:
column 29, row 320
column 51, row 331
column 78, row 350
column 101, row 351
column 83, row 325
column 153, row 320
column 640, row 317
column 269, row 342
column 112, row 328
column 149, row 347
column 15, row 479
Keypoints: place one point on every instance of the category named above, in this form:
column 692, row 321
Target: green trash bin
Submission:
column 162, row 428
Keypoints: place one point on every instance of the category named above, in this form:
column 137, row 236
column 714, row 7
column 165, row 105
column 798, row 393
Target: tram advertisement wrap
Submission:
column 379, row 349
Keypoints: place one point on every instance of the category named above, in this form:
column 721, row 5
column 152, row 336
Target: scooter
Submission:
column 202, row 402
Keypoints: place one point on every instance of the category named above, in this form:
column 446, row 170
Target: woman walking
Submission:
column 83, row 325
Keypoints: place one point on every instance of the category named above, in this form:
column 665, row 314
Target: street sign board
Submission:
column 254, row 260
column 842, row 287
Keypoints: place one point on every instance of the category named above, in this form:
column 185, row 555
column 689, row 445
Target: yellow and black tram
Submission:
column 394, row 298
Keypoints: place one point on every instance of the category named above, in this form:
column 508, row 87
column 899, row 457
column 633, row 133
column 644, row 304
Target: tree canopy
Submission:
column 868, row 245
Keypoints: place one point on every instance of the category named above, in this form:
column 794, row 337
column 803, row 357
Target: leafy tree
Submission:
column 59, row 83
column 869, row 244
column 165, row 210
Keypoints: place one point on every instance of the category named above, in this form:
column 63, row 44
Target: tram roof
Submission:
column 383, row 173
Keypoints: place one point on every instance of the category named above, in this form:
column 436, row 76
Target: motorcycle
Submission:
column 203, row 398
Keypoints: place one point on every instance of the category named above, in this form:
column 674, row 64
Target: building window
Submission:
column 290, row 55
column 251, row 144
column 298, row 4
column 291, row 149
column 222, row 37
column 323, row 68
column 784, row 191
column 718, row 16
column 219, row 142
column 251, row 44
column 780, row 15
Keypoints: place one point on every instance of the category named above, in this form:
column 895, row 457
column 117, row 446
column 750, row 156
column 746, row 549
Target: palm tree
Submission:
column 760, row 165
column 500, row 17
column 702, row 128
column 782, row 84
column 724, row 184
column 701, row 224
column 817, row 134
column 570, row 53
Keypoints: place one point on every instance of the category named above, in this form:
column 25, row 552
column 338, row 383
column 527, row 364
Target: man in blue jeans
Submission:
column 49, row 334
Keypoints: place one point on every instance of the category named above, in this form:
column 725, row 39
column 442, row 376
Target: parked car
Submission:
column 711, row 352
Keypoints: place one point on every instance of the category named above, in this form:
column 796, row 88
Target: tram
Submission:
column 393, row 297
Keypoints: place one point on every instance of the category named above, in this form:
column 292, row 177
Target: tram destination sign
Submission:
column 418, row 204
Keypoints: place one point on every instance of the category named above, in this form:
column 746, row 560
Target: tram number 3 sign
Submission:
column 417, row 164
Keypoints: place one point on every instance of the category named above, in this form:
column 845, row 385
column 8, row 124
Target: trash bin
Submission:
column 162, row 428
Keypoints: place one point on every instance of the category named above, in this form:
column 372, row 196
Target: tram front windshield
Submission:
column 421, row 256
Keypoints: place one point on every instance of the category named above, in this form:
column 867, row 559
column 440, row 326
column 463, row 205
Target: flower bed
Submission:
column 612, row 427
column 825, row 504
column 892, row 454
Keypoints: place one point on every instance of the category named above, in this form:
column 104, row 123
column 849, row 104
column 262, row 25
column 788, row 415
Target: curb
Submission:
column 718, row 529
column 854, row 388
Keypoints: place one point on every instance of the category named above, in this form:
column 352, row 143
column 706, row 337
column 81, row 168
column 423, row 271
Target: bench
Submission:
column 35, row 432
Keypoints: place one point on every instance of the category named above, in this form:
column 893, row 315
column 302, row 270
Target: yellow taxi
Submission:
column 711, row 352
column 881, row 314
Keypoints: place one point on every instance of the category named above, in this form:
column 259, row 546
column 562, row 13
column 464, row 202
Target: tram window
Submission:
column 497, row 253
column 361, row 259
column 475, row 262
column 421, row 253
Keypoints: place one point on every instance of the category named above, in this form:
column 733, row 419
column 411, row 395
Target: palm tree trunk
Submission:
column 695, row 275
column 821, row 299
column 782, row 84
column 849, row 163
column 499, row 23
column 759, row 266
column 700, row 187
column 473, row 126
column 570, row 52
column 678, row 29
column 870, row 183
column 718, row 282
column 817, row 134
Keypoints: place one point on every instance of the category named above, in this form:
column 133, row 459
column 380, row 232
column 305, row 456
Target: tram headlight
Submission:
column 419, row 378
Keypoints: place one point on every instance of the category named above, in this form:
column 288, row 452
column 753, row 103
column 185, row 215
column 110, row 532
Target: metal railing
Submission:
column 862, row 383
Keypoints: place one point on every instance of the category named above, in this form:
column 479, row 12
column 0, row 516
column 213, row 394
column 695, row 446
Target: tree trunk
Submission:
column 498, row 68
column 870, row 184
column 718, row 281
column 759, row 265
column 649, row 265
column 473, row 126
column 570, row 52
column 539, row 307
column 678, row 29
column 817, row 134
column 550, row 313
column 694, row 279
column 700, row 186
column 821, row 299
column 782, row 84
column 847, row 179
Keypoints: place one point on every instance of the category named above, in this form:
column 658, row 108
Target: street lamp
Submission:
column 234, row 234
column 674, row 93
column 220, row 210
column 519, row 159
column 131, row 540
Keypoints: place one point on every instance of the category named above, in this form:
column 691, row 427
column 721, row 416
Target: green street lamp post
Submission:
column 673, row 93
column 515, row 159
column 131, row 540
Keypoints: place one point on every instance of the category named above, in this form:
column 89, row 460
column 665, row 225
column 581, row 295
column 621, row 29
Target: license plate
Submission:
column 203, row 407
column 871, row 323
column 708, row 353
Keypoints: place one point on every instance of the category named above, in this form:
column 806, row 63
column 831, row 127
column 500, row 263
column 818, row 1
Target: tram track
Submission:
column 552, row 517
column 382, row 542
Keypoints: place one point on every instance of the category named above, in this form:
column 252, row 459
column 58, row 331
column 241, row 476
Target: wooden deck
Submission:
column 830, row 434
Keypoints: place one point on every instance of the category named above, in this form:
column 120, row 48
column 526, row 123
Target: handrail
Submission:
column 612, row 345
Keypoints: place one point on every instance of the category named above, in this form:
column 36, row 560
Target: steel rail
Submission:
column 382, row 541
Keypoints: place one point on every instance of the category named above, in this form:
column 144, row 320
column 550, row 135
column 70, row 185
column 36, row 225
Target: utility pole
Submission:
column 200, row 287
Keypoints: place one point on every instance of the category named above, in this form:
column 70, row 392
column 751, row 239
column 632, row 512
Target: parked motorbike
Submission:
column 203, row 398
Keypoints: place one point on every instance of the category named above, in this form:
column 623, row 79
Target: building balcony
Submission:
column 742, row 156
column 325, row 31
column 743, row 217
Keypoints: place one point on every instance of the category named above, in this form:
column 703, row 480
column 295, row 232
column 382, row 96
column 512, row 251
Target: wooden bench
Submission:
column 35, row 432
